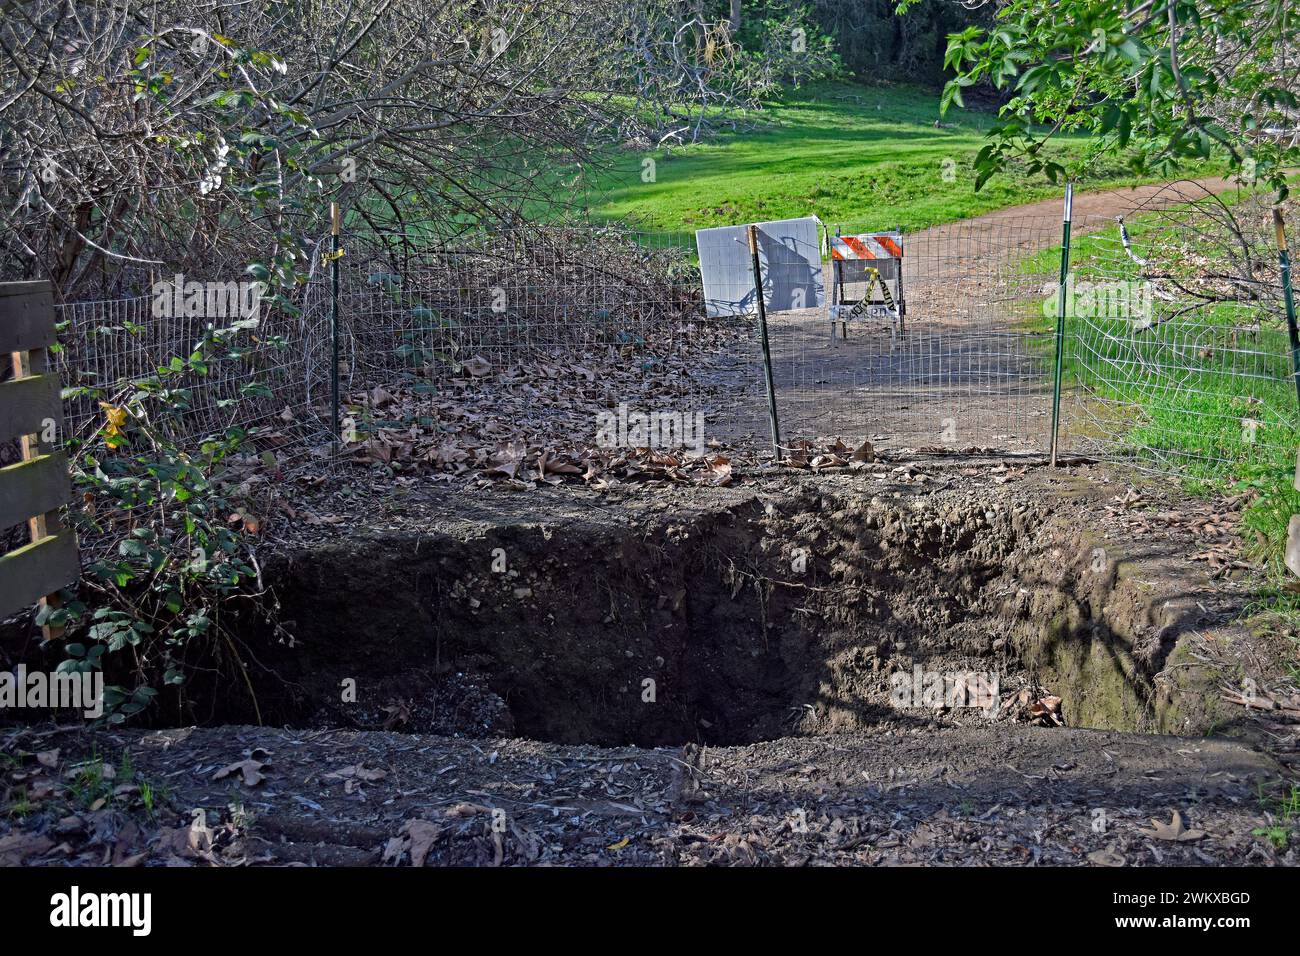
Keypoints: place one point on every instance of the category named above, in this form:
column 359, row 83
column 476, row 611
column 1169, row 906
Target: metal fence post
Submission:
column 1062, row 296
column 334, row 322
column 1291, row 552
column 767, row 352
column 1288, row 296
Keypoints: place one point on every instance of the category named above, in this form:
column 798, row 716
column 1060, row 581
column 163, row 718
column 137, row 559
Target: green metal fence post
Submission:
column 334, row 322
column 1062, row 295
column 767, row 352
column 1288, row 296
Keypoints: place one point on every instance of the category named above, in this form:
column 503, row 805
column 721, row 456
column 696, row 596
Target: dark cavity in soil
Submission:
column 766, row 618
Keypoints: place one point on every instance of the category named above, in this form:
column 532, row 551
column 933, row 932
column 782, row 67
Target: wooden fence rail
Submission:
column 32, row 490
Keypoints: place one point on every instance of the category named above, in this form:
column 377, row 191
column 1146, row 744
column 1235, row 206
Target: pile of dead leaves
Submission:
column 1215, row 527
column 1031, row 706
column 81, row 811
column 805, row 454
column 535, row 423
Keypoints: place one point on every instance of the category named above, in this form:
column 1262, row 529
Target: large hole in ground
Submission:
column 761, row 619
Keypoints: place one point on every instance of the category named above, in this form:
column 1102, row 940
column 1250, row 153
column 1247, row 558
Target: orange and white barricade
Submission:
column 867, row 280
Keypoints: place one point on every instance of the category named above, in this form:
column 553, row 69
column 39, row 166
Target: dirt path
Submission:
column 918, row 795
column 1126, row 200
column 1106, row 203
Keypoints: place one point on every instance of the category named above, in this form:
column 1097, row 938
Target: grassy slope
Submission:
column 850, row 153
column 1195, row 378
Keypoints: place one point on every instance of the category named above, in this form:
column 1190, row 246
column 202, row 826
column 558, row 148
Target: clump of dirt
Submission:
column 750, row 615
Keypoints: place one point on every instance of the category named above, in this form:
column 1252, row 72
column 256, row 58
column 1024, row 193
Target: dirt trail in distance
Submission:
column 1124, row 201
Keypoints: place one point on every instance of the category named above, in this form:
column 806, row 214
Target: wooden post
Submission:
column 33, row 489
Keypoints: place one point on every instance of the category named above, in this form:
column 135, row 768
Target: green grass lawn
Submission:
column 848, row 153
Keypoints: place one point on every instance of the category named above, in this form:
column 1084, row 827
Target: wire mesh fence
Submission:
column 411, row 309
column 455, row 355
column 452, row 354
column 261, row 383
column 1176, row 352
column 964, row 368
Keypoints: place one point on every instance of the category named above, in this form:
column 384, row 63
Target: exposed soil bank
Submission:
column 742, row 616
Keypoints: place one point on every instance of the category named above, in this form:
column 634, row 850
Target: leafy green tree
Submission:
column 1163, row 82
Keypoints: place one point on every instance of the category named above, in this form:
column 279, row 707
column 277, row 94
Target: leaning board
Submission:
column 789, row 252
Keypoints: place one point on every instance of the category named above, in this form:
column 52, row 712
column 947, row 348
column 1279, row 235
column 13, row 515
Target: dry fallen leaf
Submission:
column 393, row 849
column 416, row 836
column 1174, row 830
column 193, row 842
column 356, row 774
column 423, row 835
column 1107, row 857
column 360, row 771
column 17, row 847
column 40, row 789
column 721, row 468
column 251, row 770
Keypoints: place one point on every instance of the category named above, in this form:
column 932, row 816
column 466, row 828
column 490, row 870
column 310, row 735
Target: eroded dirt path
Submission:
column 905, row 787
